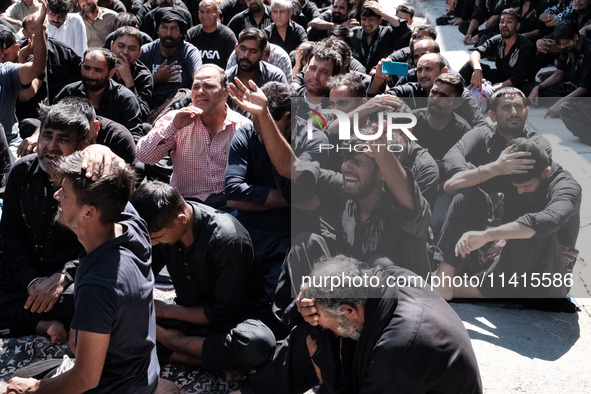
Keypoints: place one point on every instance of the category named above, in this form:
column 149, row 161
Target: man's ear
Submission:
column 111, row 73
column 492, row 116
column 350, row 312
column 182, row 218
column 546, row 173
column 444, row 69
column 89, row 211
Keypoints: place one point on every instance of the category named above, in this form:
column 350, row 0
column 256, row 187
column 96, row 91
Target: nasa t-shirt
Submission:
column 214, row 47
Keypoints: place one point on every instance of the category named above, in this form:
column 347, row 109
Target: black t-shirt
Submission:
column 577, row 67
column 117, row 138
column 438, row 142
column 213, row 47
column 113, row 295
column 294, row 36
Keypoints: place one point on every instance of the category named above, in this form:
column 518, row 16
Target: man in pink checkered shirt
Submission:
column 198, row 138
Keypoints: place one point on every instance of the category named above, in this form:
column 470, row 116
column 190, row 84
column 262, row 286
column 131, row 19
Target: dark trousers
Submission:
column 15, row 320
column 576, row 115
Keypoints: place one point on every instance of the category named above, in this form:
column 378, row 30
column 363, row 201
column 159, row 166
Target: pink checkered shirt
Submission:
column 199, row 164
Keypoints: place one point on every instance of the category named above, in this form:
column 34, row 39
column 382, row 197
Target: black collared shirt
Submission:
column 244, row 20
column 294, row 36
column 117, row 103
column 143, row 84
column 517, row 65
column 33, row 244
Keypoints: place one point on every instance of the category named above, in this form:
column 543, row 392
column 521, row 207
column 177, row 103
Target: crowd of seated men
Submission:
column 225, row 117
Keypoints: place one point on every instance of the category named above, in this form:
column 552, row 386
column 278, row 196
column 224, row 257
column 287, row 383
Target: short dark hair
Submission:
column 368, row 13
column 430, row 29
column 279, row 97
column 341, row 32
column 513, row 12
column 82, row 104
column 158, row 204
column 62, row 116
column 7, row 39
column 506, row 91
column 409, row 9
column 125, row 19
column 324, row 54
column 566, row 30
column 350, row 4
column 455, row 80
column 352, row 81
column 128, row 31
column 109, row 193
column 58, row 7
column 253, row 33
column 539, row 154
column 107, row 54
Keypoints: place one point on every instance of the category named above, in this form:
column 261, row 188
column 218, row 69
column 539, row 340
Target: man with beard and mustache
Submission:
column 324, row 63
column 339, row 14
column 475, row 167
column 99, row 22
column 541, row 217
column 172, row 60
column 391, row 331
column 438, row 127
column 109, row 98
column 429, row 67
column 572, row 77
column 512, row 54
column 256, row 14
column 249, row 52
column 38, row 257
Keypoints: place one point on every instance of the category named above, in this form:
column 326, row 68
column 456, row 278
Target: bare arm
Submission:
column 190, row 314
column 85, row 375
column 31, row 70
column 507, row 163
column 473, row 240
column 278, row 149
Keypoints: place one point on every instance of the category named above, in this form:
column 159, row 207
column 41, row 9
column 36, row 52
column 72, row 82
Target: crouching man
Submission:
column 113, row 332
column 219, row 290
column 370, row 331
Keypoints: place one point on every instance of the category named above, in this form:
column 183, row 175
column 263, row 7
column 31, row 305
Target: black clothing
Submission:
column 483, row 145
column 33, row 244
column 486, row 9
column 531, row 20
column 577, row 66
column 389, row 221
column 151, row 19
column 425, row 170
column 317, row 35
column 63, row 67
column 438, row 142
column 117, row 103
column 213, row 47
column 147, row 7
column 294, row 36
column 143, row 84
column 113, row 293
column 244, row 19
column 217, row 271
column 383, row 43
column 516, row 66
column 411, row 342
column 117, row 138
column 230, row 8
column 469, row 110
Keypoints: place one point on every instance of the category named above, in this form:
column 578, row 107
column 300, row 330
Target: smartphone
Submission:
column 395, row 68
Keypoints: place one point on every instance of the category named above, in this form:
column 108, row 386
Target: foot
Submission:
column 54, row 330
column 474, row 40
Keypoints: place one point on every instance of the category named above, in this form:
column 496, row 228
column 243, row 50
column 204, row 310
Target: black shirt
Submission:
column 577, row 66
column 33, row 244
column 117, row 138
column 213, row 47
column 117, row 103
column 143, row 84
column 383, row 42
column 517, row 65
column 244, row 19
column 294, row 36
column 438, row 142
column 229, row 9
column 217, row 270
